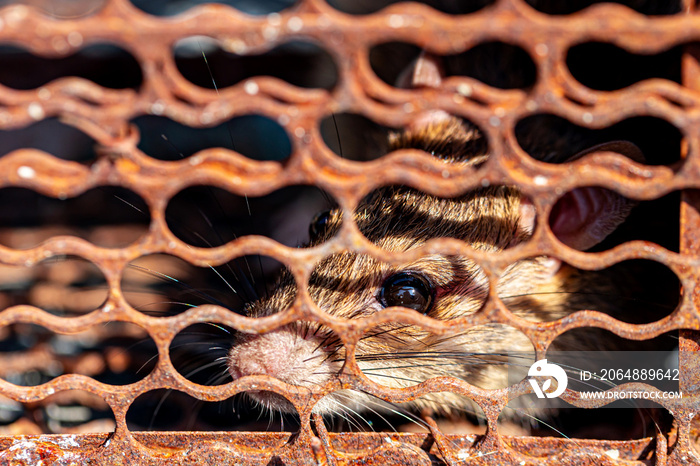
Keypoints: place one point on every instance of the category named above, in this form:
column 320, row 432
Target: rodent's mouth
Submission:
column 271, row 401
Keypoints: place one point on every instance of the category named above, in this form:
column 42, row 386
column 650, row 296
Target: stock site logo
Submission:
column 542, row 369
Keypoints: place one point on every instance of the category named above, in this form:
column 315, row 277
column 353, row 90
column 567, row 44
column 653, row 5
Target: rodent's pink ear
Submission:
column 584, row 217
column 424, row 71
column 626, row 148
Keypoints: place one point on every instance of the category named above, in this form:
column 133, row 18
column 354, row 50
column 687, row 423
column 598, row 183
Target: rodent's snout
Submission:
column 283, row 354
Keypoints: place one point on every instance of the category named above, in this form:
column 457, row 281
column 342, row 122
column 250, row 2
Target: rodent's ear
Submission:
column 626, row 148
column 424, row 71
column 584, row 217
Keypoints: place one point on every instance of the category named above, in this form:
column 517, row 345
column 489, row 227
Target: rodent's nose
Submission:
column 247, row 364
column 282, row 354
column 250, row 358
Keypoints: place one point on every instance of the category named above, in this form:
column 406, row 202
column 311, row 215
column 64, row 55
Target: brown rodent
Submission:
column 352, row 285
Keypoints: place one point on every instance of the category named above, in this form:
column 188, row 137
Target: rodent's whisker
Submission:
column 219, row 327
column 480, row 358
column 351, row 413
column 585, row 293
column 202, row 368
column 230, row 287
column 393, row 408
column 148, row 361
column 397, row 337
column 143, row 307
column 538, row 420
column 395, row 377
column 216, row 379
column 365, row 404
column 166, row 278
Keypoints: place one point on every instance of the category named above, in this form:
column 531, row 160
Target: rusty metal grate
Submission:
column 104, row 115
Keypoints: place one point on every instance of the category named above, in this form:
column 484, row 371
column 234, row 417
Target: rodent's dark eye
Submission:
column 407, row 289
column 319, row 224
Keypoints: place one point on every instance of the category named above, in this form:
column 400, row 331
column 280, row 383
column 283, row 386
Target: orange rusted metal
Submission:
column 104, row 114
